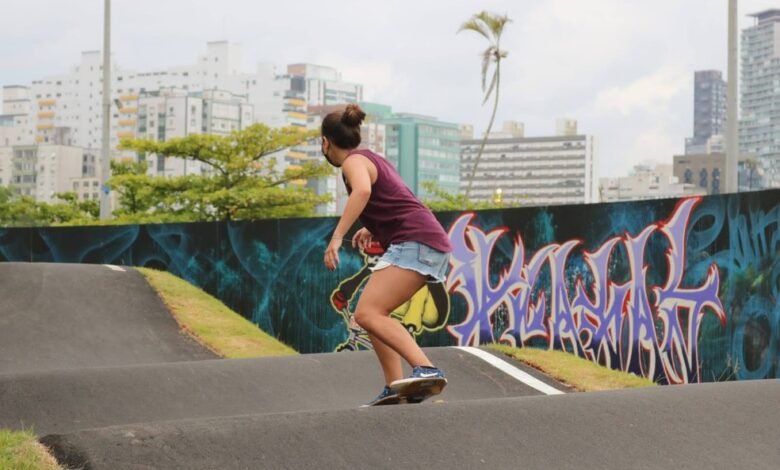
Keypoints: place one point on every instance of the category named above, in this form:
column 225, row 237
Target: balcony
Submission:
column 126, row 135
column 127, row 122
column 297, row 155
column 46, row 115
column 297, row 115
column 43, row 127
column 128, row 98
column 129, row 110
column 296, row 102
column 47, row 102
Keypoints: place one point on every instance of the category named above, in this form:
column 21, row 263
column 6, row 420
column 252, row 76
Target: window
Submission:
column 688, row 176
column 715, row 181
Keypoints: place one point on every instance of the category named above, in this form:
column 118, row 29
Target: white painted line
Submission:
column 512, row 371
column 114, row 268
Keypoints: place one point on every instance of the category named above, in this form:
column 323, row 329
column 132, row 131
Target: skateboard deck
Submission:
column 418, row 390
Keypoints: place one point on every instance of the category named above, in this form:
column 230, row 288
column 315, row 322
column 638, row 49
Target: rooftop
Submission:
column 767, row 15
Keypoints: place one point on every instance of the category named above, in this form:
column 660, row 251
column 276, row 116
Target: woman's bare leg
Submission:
column 387, row 289
column 388, row 359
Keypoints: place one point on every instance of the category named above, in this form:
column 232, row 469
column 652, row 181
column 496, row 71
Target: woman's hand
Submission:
column 332, row 254
column 362, row 239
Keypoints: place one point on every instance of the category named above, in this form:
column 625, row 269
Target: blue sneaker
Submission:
column 423, row 383
column 422, row 372
column 387, row 396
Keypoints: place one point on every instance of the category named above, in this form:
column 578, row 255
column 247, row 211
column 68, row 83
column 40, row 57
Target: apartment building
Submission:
column 551, row 170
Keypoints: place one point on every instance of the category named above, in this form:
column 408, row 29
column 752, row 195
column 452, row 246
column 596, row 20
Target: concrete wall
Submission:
column 676, row 290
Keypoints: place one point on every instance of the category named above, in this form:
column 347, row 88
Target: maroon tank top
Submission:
column 393, row 213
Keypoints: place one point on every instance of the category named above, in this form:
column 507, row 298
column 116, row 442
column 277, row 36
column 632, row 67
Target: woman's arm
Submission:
column 357, row 173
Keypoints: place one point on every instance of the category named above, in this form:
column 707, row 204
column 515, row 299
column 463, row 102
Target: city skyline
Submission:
column 635, row 92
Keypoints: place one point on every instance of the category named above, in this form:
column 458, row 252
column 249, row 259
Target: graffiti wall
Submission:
column 675, row 290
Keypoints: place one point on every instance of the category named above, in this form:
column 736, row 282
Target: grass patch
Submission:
column 578, row 373
column 22, row 451
column 210, row 322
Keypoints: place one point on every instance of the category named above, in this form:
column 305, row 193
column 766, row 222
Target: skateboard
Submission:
column 418, row 390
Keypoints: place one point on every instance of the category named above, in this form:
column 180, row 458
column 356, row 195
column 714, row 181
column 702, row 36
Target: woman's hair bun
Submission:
column 353, row 116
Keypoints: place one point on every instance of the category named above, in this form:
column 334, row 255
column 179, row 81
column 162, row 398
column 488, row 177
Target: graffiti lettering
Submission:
column 617, row 325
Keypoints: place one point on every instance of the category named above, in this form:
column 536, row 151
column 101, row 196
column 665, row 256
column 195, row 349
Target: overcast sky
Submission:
column 622, row 68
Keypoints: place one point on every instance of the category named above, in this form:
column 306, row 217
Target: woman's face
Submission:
column 325, row 149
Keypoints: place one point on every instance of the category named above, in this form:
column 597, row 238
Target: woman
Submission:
column 417, row 248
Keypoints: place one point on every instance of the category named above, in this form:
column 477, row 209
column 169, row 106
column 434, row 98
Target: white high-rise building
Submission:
column 6, row 165
column 73, row 100
column 16, row 100
column 554, row 170
column 15, row 126
column 41, row 171
column 56, row 167
column 172, row 112
column 760, row 93
column 12, row 130
column 322, row 86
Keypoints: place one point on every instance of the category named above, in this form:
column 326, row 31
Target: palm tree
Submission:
column 490, row 26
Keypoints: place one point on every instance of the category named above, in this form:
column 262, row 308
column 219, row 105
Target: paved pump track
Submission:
column 57, row 316
column 90, row 358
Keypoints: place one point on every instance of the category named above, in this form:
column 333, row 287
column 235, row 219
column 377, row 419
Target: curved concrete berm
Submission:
column 71, row 400
column 76, row 316
column 713, row 426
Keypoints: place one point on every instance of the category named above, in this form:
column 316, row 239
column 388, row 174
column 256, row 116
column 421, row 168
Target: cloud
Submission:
column 649, row 95
column 623, row 69
column 380, row 78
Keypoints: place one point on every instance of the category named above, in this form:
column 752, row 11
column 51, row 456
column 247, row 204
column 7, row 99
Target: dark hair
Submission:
column 342, row 128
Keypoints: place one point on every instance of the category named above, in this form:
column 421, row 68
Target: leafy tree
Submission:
column 242, row 180
column 137, row 193
column 24, row 211
column 491, row 27
column 72, row 211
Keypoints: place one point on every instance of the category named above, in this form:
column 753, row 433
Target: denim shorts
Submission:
column 418, row 257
